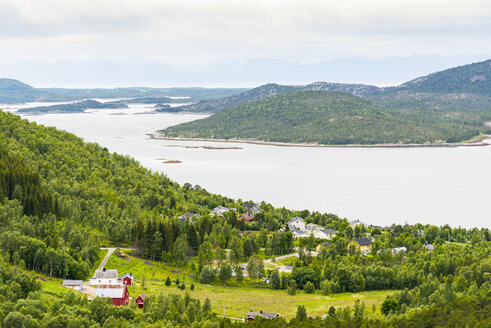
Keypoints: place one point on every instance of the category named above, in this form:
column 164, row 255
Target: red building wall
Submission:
column 140, row 302
column 127, row 281
column 124, row 300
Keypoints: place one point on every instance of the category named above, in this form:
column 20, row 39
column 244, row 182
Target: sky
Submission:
column 232, row 43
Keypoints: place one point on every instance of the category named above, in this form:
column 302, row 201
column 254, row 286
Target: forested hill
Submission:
column 328, row 117
column 61, row 197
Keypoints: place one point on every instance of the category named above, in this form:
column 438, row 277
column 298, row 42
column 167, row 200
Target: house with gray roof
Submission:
column 251, row 315
column 252, row 208
column 296, row 223
column 188, row 216
column 73, row 284
column 104, row 277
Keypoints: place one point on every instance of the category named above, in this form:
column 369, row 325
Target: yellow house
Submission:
column 364, row 245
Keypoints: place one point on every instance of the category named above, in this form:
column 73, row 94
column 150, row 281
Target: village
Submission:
column 108, row 284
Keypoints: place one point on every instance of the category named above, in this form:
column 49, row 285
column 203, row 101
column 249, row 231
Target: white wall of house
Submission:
column 102, row 281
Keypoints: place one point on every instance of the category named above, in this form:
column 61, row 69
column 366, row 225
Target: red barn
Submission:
column 140, row 300
column 126, row 279
column 118, row 293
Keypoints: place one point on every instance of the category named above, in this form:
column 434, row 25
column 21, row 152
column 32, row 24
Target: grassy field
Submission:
column 236, row 301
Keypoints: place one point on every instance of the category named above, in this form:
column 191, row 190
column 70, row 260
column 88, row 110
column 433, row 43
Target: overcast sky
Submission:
column 161, row 41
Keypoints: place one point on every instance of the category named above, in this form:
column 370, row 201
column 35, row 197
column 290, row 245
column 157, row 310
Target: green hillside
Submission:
column 62, row 198
column 327, row 117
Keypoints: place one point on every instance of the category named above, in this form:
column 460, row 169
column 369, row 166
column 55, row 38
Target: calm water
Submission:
column 378, row 186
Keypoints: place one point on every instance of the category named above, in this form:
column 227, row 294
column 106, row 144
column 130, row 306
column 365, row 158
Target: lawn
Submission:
column 235, row 301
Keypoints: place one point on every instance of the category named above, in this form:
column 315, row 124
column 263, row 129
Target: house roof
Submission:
column 110, row 291
column 312, row 225
column 300, row 232
column 249, row 206
column 328, row 231
column 267, row 315
column 105, row 274
column 248, row 217
column 355, row 222
column 126, row 275
column 72, row 282
column 295, row 218
column 363, row 241
column 142, row 296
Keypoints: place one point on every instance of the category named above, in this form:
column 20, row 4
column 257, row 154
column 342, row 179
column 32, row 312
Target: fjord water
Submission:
column 376, row 185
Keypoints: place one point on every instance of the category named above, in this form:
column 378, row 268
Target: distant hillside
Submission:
column 473, row 78
column 73, row 108
column 461, row 88
column 328, row 117
column 269, row 90
column 13, row 91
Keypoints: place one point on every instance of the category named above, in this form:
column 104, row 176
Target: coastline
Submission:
column 476, row 142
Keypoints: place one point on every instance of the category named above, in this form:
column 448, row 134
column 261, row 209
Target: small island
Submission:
column 78, row 107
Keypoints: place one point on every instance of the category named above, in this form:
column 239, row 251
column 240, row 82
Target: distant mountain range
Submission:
column 461, row 88
column 13, row 91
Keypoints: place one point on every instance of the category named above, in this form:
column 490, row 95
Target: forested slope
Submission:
column 62, row 197
column 327, row 117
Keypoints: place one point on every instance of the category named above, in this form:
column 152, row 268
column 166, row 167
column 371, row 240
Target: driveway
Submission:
column 108, row 255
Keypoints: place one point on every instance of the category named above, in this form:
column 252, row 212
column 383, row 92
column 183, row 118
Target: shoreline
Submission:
column 476, row 142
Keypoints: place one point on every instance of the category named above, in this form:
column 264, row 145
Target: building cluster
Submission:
column 108, row 284
column 301, row 230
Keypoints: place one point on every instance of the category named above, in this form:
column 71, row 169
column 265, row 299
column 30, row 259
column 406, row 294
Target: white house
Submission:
column 331, row 233
column 311, row 227
column 429, row 247
column 319, row 234
column 73, row 284
column 296, row 223
column 104, row 277
column 188, row 216
column 299, row 234
column 399, row 250
column 220, row 210
column 355, row 223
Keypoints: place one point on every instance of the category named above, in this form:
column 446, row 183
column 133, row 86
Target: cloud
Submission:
column 185, row 33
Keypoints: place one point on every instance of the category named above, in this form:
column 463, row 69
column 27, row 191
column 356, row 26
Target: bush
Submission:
column 390, row 305
column 309, row 288
column 292, row 289
column 326, row 287
column 207, row 275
